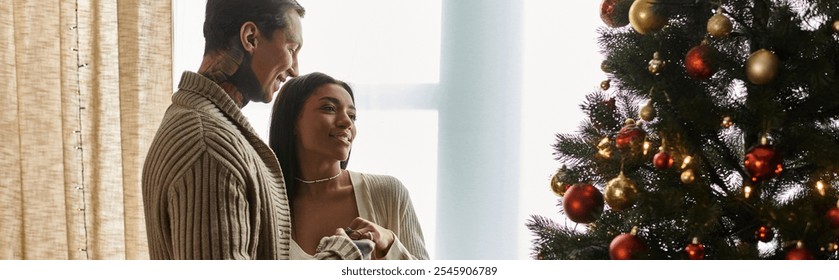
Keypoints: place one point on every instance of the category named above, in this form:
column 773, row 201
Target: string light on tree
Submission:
column 604, row 148
column 602, row 108
column 764, row 234
column 688, row 177
column 821, row 188
column 727, row 122
column 747, row 191
column 831, row 247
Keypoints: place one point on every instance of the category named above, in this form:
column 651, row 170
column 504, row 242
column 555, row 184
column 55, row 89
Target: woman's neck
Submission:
column 319, row 175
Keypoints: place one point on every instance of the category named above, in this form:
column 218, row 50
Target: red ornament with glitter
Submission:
column 762, row 162
column 695, row 250
column 662, row 160
column 626, row 246
column 799, row 253
column 582, row 203
column 832, row 216
column 608, row 15
column 630, row 135
column 699, row 62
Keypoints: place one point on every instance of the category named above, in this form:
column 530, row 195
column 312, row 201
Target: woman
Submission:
column 312, row 130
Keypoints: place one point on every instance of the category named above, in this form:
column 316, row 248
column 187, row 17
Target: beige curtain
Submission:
column 84, row 86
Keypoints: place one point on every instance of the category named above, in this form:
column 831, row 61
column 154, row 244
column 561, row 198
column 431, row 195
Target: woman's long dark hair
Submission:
column 287, row 108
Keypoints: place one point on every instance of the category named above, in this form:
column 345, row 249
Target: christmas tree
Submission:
column 715, row 136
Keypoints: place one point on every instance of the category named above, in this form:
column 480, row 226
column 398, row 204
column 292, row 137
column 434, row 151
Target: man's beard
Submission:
column 246, row 82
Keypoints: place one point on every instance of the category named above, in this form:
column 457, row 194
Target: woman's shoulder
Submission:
column 382, row 184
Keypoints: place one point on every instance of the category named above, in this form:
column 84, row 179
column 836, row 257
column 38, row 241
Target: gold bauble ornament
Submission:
column 762, row 67
column 606, row 84
column 620, row 193
column 656, row 65
column 688, row 177
column 719, row 26
column 836, row 26
column 643, row 19
column 647, row 112
column 558, row 185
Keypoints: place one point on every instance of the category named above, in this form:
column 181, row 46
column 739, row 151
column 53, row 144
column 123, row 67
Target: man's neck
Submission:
column 219, row 66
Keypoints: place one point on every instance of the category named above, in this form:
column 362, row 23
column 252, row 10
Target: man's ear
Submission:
column 248, row 36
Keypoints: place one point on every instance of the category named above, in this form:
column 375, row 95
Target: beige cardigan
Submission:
column 385, row 201
column 212, row 189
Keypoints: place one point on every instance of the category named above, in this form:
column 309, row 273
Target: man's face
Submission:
column 275, row 60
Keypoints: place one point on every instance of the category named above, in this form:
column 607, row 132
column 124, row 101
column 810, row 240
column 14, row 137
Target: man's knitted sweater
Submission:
column 212, row 189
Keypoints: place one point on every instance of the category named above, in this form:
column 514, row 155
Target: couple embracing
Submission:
column 212, row 189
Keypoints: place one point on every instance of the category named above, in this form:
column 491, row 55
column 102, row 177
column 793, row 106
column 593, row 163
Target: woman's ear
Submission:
column 248, row 34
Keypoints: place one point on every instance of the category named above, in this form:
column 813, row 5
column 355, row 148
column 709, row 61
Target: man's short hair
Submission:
column 224, row 19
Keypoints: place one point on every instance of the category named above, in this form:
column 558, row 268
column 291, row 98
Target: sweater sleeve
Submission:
column 209, row 213
column 337, row 248
column 409, row 243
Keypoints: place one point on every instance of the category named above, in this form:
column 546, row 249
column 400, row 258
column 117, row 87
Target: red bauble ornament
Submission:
column 799, row 253
column 630, row 135
column 583, row 203
column 626, row 246
column 699, row 62
column 764, row 234
column 695, row 250
column 662, row 160
column 832, row 217
column 762, row 162
column 608, row 15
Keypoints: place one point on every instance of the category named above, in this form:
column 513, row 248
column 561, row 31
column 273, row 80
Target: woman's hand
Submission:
column 364, row 229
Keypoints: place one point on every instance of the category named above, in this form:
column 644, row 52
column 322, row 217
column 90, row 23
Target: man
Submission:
column 211, row 188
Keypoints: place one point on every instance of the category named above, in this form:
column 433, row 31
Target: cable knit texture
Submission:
column 385, row 201
column 212, row 189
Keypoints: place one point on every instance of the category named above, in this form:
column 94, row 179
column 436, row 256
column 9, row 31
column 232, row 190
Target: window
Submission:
column 389, row 52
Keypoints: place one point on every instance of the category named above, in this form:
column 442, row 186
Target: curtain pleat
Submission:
column 143, row 92
column 11, row 222
column 85, row 86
